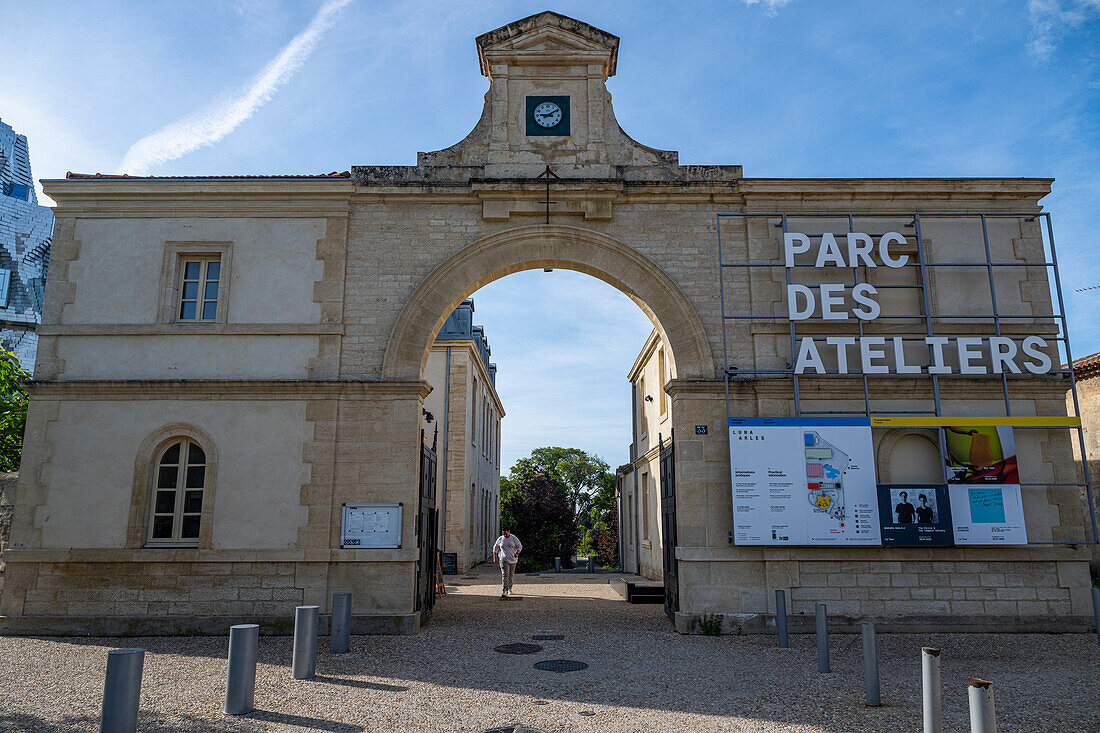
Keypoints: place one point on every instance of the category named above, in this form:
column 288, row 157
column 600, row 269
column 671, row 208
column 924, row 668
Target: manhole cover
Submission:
column 518, row 648
column 514, row 729
column 548, row 637
column 560, row 665
column 587, row 712
column 542, row 702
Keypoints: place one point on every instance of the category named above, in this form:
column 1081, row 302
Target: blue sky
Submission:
column 809, row 88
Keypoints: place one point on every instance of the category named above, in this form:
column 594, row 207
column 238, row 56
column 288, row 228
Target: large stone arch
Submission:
column 564, row 247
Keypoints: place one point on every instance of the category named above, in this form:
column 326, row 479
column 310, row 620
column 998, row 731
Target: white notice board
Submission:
column 371, row 526
column 803, row 481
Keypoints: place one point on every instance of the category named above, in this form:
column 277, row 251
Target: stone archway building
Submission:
column 307, row 376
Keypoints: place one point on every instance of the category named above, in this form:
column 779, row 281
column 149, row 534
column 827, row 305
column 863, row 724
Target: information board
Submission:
column 988, row 514
column 371, row 526
column 803, row 481
column 987, row 507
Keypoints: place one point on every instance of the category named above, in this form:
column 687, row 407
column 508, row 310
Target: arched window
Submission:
column 178, row 489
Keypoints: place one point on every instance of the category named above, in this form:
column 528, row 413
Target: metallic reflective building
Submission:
column 25, row 232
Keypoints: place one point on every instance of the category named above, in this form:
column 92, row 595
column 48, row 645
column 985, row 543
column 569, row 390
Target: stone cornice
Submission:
column 191, row 329
column 882, row 387
column 189, row 555
column 701, row 185
column 755, row 553
column 813, row 191
column 170, row 198
column 225, row 389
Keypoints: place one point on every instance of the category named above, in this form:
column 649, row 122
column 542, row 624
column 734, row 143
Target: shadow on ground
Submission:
column 641, row 675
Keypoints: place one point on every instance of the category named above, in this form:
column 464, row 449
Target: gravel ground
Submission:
column 642, row 676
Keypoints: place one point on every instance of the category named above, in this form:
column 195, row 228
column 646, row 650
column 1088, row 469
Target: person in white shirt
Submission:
column 506, row 554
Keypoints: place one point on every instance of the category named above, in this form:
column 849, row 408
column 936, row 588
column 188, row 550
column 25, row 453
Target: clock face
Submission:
column 547, row 114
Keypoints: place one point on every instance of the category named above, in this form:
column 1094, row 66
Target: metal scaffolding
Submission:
column 916, row 327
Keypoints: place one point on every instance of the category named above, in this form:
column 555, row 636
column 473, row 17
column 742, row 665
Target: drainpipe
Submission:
column 634, row 451
column 446, row 413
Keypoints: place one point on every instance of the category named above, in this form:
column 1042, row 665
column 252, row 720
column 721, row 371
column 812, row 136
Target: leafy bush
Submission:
column 605, row 540
column 536, row 506
column 710, row 624
column 13, row 410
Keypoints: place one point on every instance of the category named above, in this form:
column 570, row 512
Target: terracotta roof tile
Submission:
column 126, row 176
column 1087, row 366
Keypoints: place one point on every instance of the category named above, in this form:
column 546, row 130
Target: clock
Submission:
column 547, row 115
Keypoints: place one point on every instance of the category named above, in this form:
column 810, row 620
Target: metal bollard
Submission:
column 1096, row 610
column 591, row 564
column 822, row 639
column 781, row 618
column 240, row 684
column 930, row 685
column 557, row 564
column 121, row 691
column 304, row 663
column 983, row 718
column 870, row 666
column 339, row 638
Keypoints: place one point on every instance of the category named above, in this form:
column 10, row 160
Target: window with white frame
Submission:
column 178, row 494
column 200, row 280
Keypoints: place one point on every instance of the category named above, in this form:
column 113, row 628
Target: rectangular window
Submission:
column 643, row 421
column 473, row 414
column 200, row 279
column 5, row 287
column 645, row 506
column 661, row 380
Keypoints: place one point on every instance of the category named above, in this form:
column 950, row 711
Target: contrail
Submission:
column 210, row 125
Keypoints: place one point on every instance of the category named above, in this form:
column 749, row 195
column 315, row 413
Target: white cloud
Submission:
column 208, row 126
column 772, row 5
column 1051, row 19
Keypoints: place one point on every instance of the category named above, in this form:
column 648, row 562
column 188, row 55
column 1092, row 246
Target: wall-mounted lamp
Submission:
column 648, row 398
column 428, row 417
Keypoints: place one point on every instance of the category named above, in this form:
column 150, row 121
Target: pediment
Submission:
column 548, row 34
column 552, row 39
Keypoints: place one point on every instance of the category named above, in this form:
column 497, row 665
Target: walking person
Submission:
column 506, row 553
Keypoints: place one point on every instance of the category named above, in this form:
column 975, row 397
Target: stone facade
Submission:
column 25, row 233
column 7, row 494
column 1086, row 371
column 467, row 410
column 652, row 423
column 307, row 387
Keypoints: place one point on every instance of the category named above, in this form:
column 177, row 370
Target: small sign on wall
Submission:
column 700, row 429
column 371, row 526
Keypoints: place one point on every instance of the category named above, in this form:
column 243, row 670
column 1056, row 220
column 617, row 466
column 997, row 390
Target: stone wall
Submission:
column 8, row 482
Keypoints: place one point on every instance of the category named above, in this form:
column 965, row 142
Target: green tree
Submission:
column 581, row 473
column 534, row 504
column 13, row 410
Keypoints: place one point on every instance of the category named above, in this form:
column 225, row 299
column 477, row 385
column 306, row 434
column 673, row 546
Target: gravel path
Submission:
column 642, row 676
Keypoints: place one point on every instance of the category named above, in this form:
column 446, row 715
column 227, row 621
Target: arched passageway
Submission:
column 544, row 246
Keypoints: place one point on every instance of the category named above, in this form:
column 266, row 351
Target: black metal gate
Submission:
column 427, row 525
column 668, row 526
